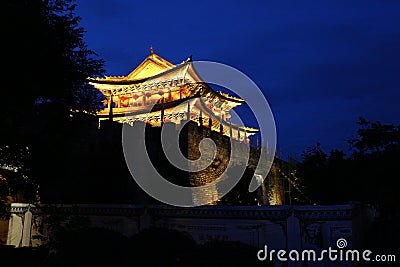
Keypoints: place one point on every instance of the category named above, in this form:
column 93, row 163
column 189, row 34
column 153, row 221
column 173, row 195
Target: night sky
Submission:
column 320, row 64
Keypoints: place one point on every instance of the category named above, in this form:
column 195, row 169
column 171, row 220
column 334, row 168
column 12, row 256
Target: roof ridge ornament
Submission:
column 151, row 50
column 189, row 59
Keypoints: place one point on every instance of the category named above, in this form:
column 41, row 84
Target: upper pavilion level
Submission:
column 155, row 91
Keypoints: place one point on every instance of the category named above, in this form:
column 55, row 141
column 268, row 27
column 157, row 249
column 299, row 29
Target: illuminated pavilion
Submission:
column 158, row 91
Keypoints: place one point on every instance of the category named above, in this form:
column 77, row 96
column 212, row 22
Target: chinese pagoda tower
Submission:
column 158, row 92
column 158, row 87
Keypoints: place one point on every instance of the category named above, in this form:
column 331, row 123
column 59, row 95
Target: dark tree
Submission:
column 376, row 153
column 368, row 174
column 46, row 57
column 47, row 63
column 375, row 138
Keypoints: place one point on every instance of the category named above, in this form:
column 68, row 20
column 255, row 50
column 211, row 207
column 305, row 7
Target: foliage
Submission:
column 47, row 56
column 368, row 174
column 93, row 246
column 375, row 138
column 225, row 253
column 48, row 63
column 75, row 242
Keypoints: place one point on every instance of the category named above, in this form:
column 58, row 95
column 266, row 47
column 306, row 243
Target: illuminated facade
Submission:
column 155, row 91
column 159, row 92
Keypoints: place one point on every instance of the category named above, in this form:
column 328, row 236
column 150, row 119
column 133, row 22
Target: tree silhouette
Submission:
column 368, row 174
column 45, row 84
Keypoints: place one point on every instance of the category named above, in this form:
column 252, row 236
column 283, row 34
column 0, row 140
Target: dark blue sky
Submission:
column 321, row 64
